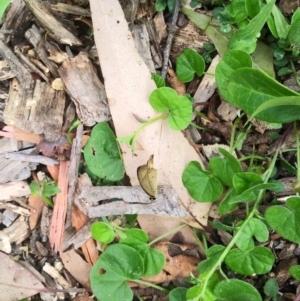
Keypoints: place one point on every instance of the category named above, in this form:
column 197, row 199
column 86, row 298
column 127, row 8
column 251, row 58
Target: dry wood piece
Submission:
column 71, row 9
column 85, row 89
column 16, row 189
column 36, row 107
column 54, row 27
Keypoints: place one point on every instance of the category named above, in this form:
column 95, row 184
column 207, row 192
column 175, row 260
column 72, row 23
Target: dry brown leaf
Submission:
column 36, row 203
column 16, row 282
column 175, row 83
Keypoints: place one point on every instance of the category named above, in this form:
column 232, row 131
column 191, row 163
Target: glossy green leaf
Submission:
column 232, row 60
column 121, row 263
column 159, row 81
column 295, row 271
column 180, row 108
column 178, row 294
column 286, row 220
column 249, row 88
column 245, row 180
column 102, row 154
column 237, row 10
column 202, row 186
column 236, row 290
column 283, row 109
column 50, row 190
column 213, row 255
column 102, row 232
column 254, row 228
column 160, row 5
column 253, row 7
column 271, row 289
column 245, row 38
column 258, row 260
column 187, row 64
column 225, row 206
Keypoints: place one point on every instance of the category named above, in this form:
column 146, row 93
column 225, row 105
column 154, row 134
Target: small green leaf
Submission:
column 226, row 206
column 258, row 260
column 154, row 261
column 102, row 154
column 34, row 188
column 236, row 290
column 3, row 5
column 50, row 190
column 237, row 10
column 134, row 238
column 271, row 289
column 189, row 63
column 245, row 38
column 245, row 180
column 202, row 186
column 255, row 228
column 213, row 255
column 102, row 232
column 286, row 221
column 160, row 5
column 178, row 294
column 232, row 60
column 253, row 7
column 293, row 35
column 159, row 81
column 295, row 271
column 180, row 108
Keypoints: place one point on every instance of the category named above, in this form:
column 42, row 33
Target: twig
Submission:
column 169, row 40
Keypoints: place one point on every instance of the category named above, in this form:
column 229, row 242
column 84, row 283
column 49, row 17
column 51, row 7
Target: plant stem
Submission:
column 166, row 234
column 298, row 149
column 150, row 284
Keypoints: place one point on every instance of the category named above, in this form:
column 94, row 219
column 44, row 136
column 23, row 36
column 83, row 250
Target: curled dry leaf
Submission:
column 175, row 83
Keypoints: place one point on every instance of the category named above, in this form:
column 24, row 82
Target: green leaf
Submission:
column 249, row 88
column 245, row 180
column 295, row 271
column 134, row 238
column 34, row 188
column 245, row 38
column 213, row 254
column 258, row 260
column 3, row 5
column 253, row 7
column 232, row 60
column 286, row 221
column 180, row 108
column 102, row 154
column 187, row 64
column 225, row 206
column 50, row 190
column 122, row 263
column 202, row 186
column 102, row 232
column 236, row 290
column 224, row 169
column 160, row 5
column 178, row 294
column 293, row 36
column 237, row 10
column 255, row 228
column 159, row 81
column 271, row 289
column 280, row 109
column 154, row 261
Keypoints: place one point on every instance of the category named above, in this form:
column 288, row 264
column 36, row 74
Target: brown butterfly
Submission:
column 147, row 176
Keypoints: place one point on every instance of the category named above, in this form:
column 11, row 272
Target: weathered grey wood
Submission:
column 54, row 28
column 36, row 108
column 33, row 35
column 71, row 9
column 18, row 156
column 85, row 89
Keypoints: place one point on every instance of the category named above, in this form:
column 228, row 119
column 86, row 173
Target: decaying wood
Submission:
column 85, row 89
column 131, row 95
column 17, row 189
column 20, row 156
column 133, row 200
column 71, row 9
column 17, row 19
column 54, row 28
column 14, row 208
column 73, row 171
column 36, row 107
column 41, row 46
column 54, row 273
column 20, row 135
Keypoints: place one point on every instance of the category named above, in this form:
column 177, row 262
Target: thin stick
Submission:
column 169, row 40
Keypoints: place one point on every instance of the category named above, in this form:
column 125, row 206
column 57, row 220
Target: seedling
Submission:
column 45, row 189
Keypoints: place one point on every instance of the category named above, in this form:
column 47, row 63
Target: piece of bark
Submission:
column 17, row 189
column 37, row 204
column 18, row 231
column 12, row 145
column 29, row 108
column 73, row 171
column 172, row 152
column 45, row 223
column 71, row 9
column 20, row 157
column 85, row 89
column 77, row 267
column 34, row 36
column 14, row 208
column 17, row 19
column 20, row 135
column 54, row 273
column 55, row 28
column 54, row 171
column 60, row 208
column 81, row 202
